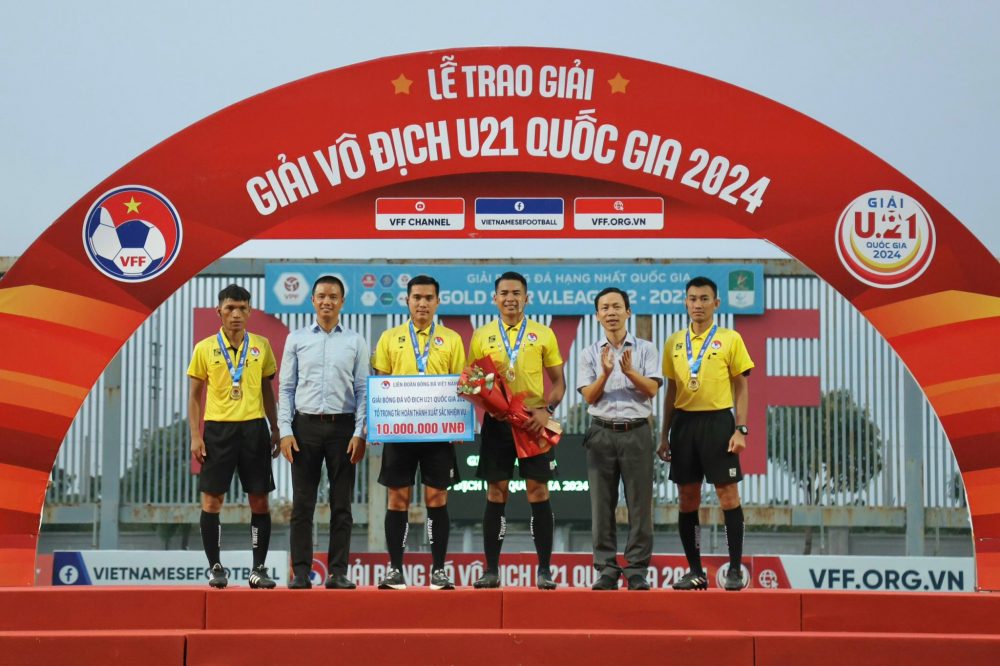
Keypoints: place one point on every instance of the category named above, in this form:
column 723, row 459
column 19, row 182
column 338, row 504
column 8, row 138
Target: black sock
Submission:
column 734, row 535
column 542, row 526
column 396, row 527
column 690, row 532
column 211, row 536
column 260, row 536
column 438, row 527
column 494, row 528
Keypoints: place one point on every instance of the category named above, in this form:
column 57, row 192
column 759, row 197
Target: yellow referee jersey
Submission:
column 725, row 358
column 208, row 363
column 394, row 353
column 539, row 349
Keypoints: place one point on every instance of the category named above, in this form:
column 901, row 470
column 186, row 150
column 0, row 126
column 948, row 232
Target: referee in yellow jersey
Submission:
column 530, row 352
column 234, row 368
column 419, row 347
column 706, row 368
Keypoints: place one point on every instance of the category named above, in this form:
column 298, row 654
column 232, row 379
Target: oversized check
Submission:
column 418, row 408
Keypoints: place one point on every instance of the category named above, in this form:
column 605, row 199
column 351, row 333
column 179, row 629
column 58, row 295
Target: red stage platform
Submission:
column 199, row 626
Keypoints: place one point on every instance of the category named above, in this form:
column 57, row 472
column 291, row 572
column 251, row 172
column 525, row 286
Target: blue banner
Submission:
column 556, row 289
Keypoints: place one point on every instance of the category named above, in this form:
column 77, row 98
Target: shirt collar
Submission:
column 316, row 328
column 425, row 330
column 515, row 327
column 246, row 336
column 702, row 335
column 629, row 340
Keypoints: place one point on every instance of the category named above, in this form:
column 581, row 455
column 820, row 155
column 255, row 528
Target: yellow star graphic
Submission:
column 402, row 85
column 132, row 206
column 618, row 84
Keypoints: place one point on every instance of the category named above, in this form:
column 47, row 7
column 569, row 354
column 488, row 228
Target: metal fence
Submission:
column 860, row 376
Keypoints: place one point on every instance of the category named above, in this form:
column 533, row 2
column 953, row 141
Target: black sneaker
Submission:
column 692, row 580
column 489, row 580
column 440, row 580
column 218, row 579
column 734, row 579
column 259, row 580
column 638, row 582
column 393, row 580
column 544, row 580
column 606, row 582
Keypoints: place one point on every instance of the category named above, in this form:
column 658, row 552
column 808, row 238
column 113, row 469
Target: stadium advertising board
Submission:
column 797, row 572
column 157, row 567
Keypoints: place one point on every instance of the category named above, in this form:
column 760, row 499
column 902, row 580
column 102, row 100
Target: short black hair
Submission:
column 702, row 281
column 422, row 279
column 329, row 279
column 612, row 290
column 510, row 275
column 234, row 292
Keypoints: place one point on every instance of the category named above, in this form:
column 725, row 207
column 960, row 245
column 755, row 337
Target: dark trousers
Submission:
column 613, row 457
column 321, row 441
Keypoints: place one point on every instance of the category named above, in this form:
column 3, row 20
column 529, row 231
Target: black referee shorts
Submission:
column 231, row 446
column 699, row 448
column 497, row 456
column 436, row 460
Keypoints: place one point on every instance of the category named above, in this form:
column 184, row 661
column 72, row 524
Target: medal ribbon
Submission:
column 696, row 365
column 237, row 372
column 421, row 358
column 512, row 355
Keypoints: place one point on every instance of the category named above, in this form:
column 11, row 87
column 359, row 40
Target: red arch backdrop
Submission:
column 310, row 154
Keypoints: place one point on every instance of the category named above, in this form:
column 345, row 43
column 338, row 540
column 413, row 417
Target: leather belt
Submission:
column 326, row 417
column 620, row 426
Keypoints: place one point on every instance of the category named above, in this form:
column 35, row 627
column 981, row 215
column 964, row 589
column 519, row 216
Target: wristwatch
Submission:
column 551, row 409
column 742, row 429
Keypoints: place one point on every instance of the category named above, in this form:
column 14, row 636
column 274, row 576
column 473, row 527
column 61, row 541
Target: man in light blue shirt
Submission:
column 618, row 377
column 322, row 391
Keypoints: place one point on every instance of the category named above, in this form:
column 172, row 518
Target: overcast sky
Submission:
column 87, row 86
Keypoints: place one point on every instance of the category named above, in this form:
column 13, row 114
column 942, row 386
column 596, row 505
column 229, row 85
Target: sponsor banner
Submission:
column 618, row 213
column 427, row 214
column 157, row 567
column 916, row 574
column 913, row 574
column 556, row 289
column 418, row 408
column 525, row 214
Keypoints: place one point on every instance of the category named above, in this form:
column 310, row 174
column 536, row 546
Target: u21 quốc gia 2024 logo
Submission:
column 132, row 233
column 885, row 239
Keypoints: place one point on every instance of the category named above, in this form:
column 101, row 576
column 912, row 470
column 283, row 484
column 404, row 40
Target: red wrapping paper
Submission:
column 484, row 385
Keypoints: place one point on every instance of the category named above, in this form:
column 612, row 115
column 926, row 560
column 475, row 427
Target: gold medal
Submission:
column 510, row 375
column 694, row 384
column 236, row 393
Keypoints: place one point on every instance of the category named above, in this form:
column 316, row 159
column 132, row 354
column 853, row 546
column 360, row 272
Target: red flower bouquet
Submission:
column 483, row 385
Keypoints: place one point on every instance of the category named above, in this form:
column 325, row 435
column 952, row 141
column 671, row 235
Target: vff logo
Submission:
column 132, row 233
